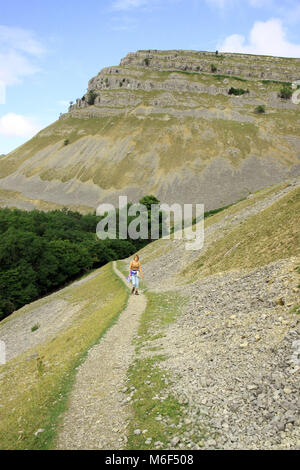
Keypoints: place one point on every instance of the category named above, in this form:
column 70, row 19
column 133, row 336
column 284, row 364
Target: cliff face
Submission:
column 163, row 122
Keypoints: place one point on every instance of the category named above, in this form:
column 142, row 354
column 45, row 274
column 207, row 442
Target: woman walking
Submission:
column 135, row 273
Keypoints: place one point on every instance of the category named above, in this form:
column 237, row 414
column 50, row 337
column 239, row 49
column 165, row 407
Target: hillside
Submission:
column 163, row 122
column 207, row 357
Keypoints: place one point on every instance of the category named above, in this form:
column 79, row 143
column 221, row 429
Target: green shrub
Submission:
column 237, row 91
column 286, row 92
column 92, row 95
column 147, row 61
column 213, row 68
column 35, row 327
column 66, row 142
column 260, row 109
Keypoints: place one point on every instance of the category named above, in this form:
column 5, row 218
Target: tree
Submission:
column 148, row 200
column 92, row 95
column 261, row 109
column 237, row 91
column 286, row 92
column 42, row 251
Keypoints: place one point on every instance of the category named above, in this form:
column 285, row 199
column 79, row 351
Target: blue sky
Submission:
column 49, row 49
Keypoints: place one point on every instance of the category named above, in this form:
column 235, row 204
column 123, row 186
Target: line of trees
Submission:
column 43, row 251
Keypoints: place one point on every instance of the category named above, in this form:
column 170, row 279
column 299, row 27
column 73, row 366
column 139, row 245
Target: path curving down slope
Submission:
column 97, row 416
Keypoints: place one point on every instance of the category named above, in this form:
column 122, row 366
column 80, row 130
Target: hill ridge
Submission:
column 185, row 132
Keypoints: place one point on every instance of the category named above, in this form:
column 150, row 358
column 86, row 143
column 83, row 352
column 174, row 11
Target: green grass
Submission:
column 36, row 384
column 231, row 77
column 268, row 236
column 123, row 267
column 35, row 327
column 295, row 309
column 149, row 379
column 275, row 82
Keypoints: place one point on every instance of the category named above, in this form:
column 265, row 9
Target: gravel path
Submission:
column 97, row 416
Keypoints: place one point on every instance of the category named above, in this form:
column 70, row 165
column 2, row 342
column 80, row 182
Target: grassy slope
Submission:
column 35, row 385
column 160, row 247
column 265, row 237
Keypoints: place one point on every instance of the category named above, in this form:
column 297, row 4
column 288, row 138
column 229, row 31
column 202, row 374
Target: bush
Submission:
column 237, row 91
column 66, row 142
column 147, row 61
column 92, row 95
column 286, row 92
column 42, row 251
column 261, row 109
column 213, row 68
column 148, row 201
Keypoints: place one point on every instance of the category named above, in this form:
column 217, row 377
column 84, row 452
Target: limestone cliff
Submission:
column 168, row 123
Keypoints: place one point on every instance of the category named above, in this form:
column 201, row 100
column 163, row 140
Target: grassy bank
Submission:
column 265, row 237
column 35, row 385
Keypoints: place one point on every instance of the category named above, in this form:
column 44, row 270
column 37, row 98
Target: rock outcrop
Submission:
column 164, row 122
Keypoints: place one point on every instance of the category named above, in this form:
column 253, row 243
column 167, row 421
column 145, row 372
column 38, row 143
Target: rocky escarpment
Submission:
column 183, row 125
column 244, row 65
column 187, row 72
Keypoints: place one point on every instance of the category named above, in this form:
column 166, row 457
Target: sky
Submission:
column 50, row 49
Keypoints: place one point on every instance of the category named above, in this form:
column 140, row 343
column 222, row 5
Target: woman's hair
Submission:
column 136, row 256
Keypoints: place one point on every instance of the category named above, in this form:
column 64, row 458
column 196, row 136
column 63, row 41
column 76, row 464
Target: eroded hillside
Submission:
column 207, row 357
column 163, row 122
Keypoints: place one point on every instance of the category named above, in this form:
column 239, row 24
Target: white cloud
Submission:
column 123, row 5
column 18, row 53
column 221, row 4
column 14, row 66
column 20, row 39
column 16, row 125
column 266, row 38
